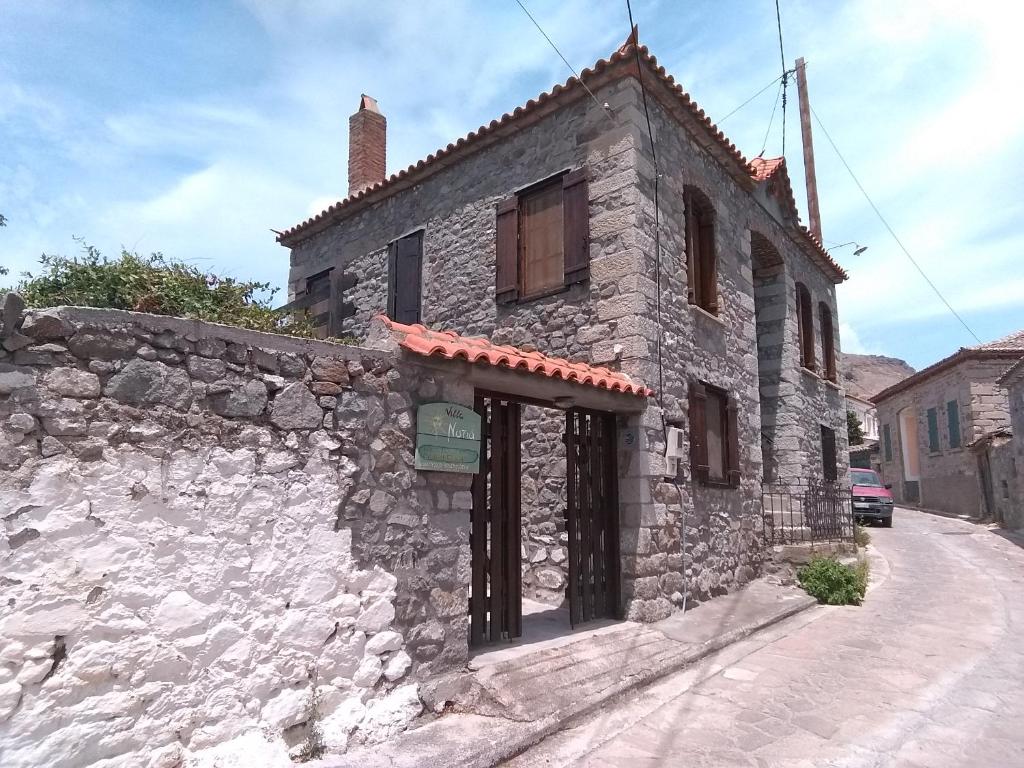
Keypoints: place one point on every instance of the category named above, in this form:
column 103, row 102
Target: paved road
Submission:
column 929, row 672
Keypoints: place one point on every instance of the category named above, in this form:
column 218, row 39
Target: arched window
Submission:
column 805, row 326
column 828, row 343
column 701, row 263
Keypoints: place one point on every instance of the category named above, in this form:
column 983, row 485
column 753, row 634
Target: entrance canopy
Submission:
column 533, row 375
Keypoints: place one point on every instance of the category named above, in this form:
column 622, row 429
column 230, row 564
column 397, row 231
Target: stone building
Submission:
column 932, row 422
column 539, row 231
column 1009, row 476
column 866, row 453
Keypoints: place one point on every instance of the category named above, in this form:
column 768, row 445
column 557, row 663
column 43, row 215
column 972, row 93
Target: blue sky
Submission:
column 193, row 128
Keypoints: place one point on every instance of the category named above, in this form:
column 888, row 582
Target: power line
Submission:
column 895, row 237
column 768, row 130
column 741, row 106
column 785, row 74
column 576, row 74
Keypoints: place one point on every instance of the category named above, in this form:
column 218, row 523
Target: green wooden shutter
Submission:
column 887, row 440
column 953, row 414
column 933, row 430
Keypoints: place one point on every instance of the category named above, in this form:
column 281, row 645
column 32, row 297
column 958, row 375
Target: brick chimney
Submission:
column 367, row 146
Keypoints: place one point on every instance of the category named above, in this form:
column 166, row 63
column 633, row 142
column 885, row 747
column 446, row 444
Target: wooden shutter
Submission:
column 828, row 454
column 506, row 280
column 576, row 223
column 692, row 249
column 392, row 276
column 698, row 432
column 408, row 260
column 733, row 443
column 708, row 264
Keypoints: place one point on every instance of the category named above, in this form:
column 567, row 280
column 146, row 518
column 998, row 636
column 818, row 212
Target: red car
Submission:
column 872, row 499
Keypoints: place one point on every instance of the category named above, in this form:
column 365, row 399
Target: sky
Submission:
column 194, row 128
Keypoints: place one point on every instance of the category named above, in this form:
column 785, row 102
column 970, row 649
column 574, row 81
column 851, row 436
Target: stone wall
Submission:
column 1015, row 475
column 949, row 476
column 205, row 530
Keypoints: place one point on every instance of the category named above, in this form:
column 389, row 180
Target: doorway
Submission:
column 591, row 519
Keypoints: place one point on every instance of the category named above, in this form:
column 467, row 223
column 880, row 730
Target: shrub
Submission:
column 860, row 535
column 833, row 583
column 159, row 286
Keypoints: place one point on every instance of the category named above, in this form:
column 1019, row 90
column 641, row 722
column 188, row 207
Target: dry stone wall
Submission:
column 209, row 535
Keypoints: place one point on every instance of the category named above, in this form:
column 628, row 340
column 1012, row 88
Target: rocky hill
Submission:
column 867, row 375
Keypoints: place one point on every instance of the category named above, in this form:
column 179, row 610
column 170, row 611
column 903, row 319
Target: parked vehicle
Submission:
column 872, row 499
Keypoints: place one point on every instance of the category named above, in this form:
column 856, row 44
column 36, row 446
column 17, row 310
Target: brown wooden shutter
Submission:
column 576, row 224
column 733, row 443
column 708, row 264
column 698, row 432
column 691, row 248
column 506, row 280
column 392, row 275
column 408, row 278
column 828, row 454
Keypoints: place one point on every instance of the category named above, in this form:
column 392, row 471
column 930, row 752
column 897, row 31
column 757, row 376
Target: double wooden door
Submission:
column 591, row 520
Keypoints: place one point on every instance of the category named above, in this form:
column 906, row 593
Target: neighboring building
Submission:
column 864, row 454
column 867, row 413
column 538, row 230
column 929, row 422
column 1009, row 475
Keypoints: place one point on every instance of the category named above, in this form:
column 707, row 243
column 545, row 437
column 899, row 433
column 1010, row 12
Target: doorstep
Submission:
column 512, row 704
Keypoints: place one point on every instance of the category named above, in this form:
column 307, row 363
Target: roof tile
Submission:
column 450, row 345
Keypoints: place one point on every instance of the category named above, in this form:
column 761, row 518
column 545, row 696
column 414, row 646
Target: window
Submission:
column 828, row 344
column 701, row 262
column 933, row 430
column 714, row 438
column 887, row 442
column 543, row 238
column 829, row 463
column 318, row 301
column 405, row 263
column 805, row 326
column 953, row 416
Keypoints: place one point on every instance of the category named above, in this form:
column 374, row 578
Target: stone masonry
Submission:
column 204, row 528
column 613, row 320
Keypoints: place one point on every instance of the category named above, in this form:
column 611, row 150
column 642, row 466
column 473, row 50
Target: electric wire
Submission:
column 892, row 232
column 771, row 120
column 741, row 106
column 785, row 74
column 576, row 74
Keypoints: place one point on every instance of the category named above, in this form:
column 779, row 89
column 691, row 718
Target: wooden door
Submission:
column 496, row 604
column 592, row 515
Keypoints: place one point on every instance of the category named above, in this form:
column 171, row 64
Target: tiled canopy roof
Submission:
column 447, row 344
column 618, row 65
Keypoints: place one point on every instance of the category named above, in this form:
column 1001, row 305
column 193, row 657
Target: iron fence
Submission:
column 806, row 511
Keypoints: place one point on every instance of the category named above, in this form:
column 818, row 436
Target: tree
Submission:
column 159, row 286
column 854, row 428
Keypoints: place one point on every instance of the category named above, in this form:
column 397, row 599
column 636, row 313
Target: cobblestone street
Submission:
column 929, row 672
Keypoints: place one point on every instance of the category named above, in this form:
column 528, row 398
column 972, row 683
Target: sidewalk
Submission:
column 528, row 698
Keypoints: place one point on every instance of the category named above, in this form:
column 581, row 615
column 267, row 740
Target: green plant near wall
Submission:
column 157, row 285
column 834, row 583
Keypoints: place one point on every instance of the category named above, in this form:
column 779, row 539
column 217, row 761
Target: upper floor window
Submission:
column 714, row 438
column 887, row 442
column 805, row 326
column 701, row 262
column 828, row 344
column 953, row 417
column 933, row 430
column 405, row 265
column 543, row 238
column 317, row 301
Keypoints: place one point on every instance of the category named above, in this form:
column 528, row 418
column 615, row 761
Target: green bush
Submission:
column 833, row 583
column 159, row 286
column 860, row 535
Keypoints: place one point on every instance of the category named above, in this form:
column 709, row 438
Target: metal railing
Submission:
column 806, row 511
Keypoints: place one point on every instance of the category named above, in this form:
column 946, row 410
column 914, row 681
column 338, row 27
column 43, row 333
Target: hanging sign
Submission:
column 447, row 438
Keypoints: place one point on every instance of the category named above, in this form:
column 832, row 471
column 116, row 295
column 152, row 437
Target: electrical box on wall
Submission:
column 673, row 450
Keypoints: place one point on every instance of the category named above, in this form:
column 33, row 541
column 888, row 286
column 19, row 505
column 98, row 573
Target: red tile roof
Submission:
column 763, row 168
column 447, row 344
column 617, row 66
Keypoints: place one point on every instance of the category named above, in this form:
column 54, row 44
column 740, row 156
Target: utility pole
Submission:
column 813, row 213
